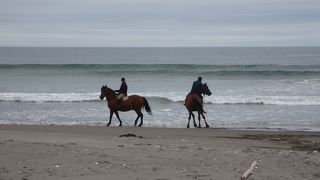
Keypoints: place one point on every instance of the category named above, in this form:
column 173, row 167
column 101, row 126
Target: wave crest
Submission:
column 174, row 69
column 161, row 98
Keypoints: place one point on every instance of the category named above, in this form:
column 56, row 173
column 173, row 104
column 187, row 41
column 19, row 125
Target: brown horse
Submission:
column 134, row 102
column 194, row 103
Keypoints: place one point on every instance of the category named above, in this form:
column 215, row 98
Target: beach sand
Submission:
column 40, row 152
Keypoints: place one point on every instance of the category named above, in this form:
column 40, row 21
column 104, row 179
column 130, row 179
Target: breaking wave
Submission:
column 173, row 69
column 162, row 98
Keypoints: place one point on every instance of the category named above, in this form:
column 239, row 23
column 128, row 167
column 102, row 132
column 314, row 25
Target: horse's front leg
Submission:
column 204, row 118
column 117, row 114
column 111, row 114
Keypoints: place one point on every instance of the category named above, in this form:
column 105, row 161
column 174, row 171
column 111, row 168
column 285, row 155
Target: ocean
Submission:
column 253, row 88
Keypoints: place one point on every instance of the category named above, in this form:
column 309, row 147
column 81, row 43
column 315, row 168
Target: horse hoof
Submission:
column 188, row 126
column 108, row 124
column 195, row 125
column 140, row 125
column 207, row 126
column 120, row 125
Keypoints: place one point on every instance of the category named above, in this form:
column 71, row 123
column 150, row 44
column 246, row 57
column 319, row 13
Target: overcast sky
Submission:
column 150, row 23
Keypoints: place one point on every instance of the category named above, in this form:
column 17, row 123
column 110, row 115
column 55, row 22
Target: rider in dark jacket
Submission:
column 122, row 92
column 197, row 87
column 123, row 88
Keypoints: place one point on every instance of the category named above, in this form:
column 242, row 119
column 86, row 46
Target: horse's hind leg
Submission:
column 204, row 118
column 138, row 116
column 141, row 117
column 194, row 121
column 111, row 114
column 136, row 121
column 117, row 114
column 189, row 120
column 199, row 118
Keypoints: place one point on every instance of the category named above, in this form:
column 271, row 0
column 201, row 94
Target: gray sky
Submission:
column 149, row 23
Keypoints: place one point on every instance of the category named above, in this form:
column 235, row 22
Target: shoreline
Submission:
column 167, row 127
column 99, row 152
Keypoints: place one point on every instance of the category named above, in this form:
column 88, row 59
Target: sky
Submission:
column 159, row 23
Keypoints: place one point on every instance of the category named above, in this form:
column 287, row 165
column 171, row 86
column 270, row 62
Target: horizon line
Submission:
column 160, row 46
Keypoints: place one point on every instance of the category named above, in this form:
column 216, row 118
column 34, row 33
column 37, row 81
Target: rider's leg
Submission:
column 119, row 99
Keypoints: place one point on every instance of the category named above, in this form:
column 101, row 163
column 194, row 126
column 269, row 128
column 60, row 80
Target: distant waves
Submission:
column 161, row 98
column 252, row 71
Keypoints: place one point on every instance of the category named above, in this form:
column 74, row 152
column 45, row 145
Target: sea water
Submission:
column 258, row 88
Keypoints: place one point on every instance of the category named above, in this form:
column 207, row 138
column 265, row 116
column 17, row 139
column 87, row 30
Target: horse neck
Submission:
column 111, row 95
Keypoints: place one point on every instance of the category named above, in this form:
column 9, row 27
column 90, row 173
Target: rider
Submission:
column 122, row 92
column 197, row 87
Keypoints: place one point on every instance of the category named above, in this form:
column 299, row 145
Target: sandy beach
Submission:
column 78, row 152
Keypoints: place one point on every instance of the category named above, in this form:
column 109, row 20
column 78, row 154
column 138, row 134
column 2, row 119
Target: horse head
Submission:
column 102, row 92
column 206, row 90
column 105, row 92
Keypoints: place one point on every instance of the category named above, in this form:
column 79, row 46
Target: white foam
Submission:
column 48, row 97
column 272, row 100
column 164, row 98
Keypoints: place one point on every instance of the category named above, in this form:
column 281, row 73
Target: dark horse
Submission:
column 194, row 103
column 134, row 102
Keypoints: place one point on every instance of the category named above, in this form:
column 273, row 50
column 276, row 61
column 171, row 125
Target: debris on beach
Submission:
column 249, row 171
column 130, row 135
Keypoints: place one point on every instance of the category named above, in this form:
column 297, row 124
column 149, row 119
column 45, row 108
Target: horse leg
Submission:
column 194, row 121
column 204, row 118
column 136, row 121
column 117, row 114
column 138, row 116
column 111, row 114
column 189, row 119
column 141, row 118
column 199, row 118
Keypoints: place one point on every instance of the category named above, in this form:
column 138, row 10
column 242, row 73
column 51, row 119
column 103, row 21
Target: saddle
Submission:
column 124, row 98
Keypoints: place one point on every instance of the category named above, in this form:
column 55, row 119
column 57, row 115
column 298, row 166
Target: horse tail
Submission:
column 146, row 106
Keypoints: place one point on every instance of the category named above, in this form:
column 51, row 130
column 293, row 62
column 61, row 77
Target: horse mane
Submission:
column 107, row 88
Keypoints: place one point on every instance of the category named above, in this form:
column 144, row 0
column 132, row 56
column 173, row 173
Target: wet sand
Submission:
column 79, row 152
